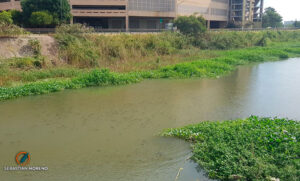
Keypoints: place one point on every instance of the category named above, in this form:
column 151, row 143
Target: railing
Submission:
column 97, row 30
column 92, row 12
column 252, row 29
column 101, row 30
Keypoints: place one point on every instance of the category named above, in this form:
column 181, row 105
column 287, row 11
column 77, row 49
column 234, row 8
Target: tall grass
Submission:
column 80, row 47
column 10, row 30
column 101, row 77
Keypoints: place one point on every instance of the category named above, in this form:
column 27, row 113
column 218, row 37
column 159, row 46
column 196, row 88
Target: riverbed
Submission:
column 112, row 133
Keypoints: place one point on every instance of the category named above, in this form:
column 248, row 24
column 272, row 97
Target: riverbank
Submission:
column 42, row 81
column 246, row 149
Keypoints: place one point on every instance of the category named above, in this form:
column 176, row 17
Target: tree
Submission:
column 5, row 17
column 271, row 18
column 41, row 19
column 58, row 9
column 191, row 25
column 297, row 24
column 17, row 17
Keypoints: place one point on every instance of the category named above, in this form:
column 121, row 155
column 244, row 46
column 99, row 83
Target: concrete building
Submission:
column 9, row 4
column 153, row 14
column 214, row 11
column 246, row 12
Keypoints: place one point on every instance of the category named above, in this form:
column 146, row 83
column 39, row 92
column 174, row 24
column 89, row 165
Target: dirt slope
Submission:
column 19, row 47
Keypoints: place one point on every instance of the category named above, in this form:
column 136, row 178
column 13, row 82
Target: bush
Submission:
column 40, row 19
column 5, row 18
column 190, row 25
column 74, row 45
column 17, row 17
column 74, row 29
column 11, row 30
column 35, row 46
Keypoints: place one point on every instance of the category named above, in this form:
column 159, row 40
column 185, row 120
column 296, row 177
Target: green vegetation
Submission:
column 7, row 29
column 41, row 13
column 271, row 18
column 135, row 57
column 225, row 62
column 41, row 19
column 190, row 25
column 75, row 48
column 94, row 78
column 5, row 17
column 296, row 24
column 248, row 149
column 79, row 47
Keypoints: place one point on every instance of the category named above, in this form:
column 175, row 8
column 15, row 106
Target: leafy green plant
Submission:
column 59, row 10
column 190, row 25
column 250, row 149
column 41, row 19
column 6, row 18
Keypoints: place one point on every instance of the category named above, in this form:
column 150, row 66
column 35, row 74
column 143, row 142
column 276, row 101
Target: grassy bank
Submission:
column 248, row 149
column 131, row 58
column 132, row 52
column 52, row 80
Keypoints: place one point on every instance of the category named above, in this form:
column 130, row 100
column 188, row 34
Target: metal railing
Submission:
column 101, row 30
column 251, row 29
column 97, row 30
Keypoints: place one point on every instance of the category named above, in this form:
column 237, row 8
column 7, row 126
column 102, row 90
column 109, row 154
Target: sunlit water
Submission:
column 112, row 133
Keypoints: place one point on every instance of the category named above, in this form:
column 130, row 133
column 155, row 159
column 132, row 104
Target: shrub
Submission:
column 74, row 45
column 35, row 46
column 17, row 17
column 6, row 18
column 21, row 62
column 77, row 30
column 11, row 30
column 190, row 25
column 40, row 19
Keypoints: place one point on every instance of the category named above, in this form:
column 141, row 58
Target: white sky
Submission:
column 288, row 9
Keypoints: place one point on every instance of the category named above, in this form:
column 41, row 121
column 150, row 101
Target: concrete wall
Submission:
column 213, row 10
column 13, row 4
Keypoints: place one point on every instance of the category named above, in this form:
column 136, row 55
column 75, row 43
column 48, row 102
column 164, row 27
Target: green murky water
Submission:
column 111, row 133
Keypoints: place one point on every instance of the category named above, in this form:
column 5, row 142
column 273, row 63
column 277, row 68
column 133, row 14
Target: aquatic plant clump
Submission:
column 245, row 149
column 94, row 78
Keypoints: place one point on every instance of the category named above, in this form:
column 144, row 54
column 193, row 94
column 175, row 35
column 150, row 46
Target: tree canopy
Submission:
column 58, row 9
column 271, row 18
column 190, row 25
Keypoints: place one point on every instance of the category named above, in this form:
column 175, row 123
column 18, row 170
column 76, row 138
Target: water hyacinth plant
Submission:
column 245, row 149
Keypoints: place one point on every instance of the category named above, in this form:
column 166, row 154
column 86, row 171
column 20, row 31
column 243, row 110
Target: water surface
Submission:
column 111, row 133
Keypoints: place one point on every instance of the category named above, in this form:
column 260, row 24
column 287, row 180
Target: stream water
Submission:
column 112, row 133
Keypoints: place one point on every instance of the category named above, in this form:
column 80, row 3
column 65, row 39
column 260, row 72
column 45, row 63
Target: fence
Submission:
column 100, row 30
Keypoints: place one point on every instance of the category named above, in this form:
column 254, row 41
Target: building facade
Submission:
column 152, row 14
column 246, row 12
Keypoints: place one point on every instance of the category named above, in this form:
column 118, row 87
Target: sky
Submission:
column 288, row 9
